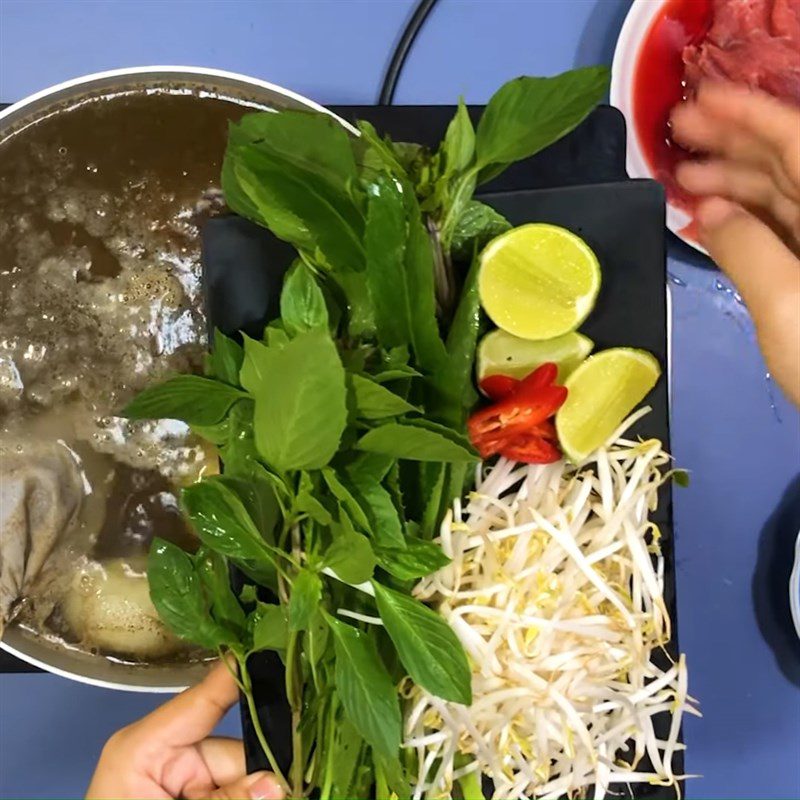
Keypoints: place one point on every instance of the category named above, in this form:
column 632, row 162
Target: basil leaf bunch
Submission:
column 341, row 430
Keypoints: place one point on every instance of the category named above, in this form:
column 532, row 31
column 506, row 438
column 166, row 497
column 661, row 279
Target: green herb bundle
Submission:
column 342, row 431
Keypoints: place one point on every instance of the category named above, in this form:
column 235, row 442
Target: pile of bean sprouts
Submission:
column 556, row 592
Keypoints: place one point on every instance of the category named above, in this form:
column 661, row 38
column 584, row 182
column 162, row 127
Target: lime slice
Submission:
column 538, row 281
column 602, row 392
column 502, row 353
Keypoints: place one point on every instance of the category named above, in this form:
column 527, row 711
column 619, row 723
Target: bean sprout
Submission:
column 556, row 592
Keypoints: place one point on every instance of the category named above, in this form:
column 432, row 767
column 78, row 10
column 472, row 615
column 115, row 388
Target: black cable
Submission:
column 404, row 44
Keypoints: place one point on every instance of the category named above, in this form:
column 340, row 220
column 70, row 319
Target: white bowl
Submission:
column 794, row 587
column 637, row 24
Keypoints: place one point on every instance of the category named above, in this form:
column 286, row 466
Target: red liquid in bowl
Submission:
column 658, row 86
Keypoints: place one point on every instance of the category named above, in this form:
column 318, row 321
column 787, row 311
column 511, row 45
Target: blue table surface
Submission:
column 731, row 426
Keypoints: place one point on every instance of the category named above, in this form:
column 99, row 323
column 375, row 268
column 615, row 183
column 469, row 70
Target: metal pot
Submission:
column 37, row 650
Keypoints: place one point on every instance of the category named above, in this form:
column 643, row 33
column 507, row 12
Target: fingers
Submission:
column 258, row 786
column 745, row 185
column 745, row 127
column 769, row 120
column 192, row 715
column 767, row 275
column 224, row 759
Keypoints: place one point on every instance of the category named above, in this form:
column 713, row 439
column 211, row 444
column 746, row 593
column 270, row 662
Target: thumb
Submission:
column 767, row 275
column 258, row 786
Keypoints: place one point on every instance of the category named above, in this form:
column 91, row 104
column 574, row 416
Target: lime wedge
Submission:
column 602, row 392
column 538, row 281
column 502, row 353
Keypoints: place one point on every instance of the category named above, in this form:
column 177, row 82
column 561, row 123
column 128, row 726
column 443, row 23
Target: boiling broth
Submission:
column 100, row 295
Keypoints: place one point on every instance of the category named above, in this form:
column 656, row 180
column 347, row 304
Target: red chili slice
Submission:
column 496, row 387
column 540, row 446
column 519, row 426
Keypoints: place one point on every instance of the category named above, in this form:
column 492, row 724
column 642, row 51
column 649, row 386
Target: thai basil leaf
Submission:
column 360, row 312
column 385, row 244
column 300, row 400
column 190, row 398
column 305, row 502
column 446, row 431
column 257, row 494
column 396, row 357
column 681, row 478
column 303, row 304
column 426, row 644
column 419, row 263
column 452, row 383
column 458, row 146
column 415, row 560
column 373, row 401
column 225, row 607
column 260, row 571
column 249, row 594
column 297, row 206
column 318, row 638
column 305, row 599
column 416, row 442
column 457, row 475
column 368, row 467
column 268, row 628
column 351, row 558
column 394, row 775
column 380, row 153
column 239, row 453
column 395, row 374
column 393, row 485
column 345, row 497
column 384, row 520
column 413, row 157
column 226, row 358
column 222, row 523
column 315, row 142
column 275, row 335
column 527, row 114
column 476, row 226
column 348, row 747
column 367, row 693
column 400, row 273
column 177, row 593
column 432, row 495
column 217, row 434
column 295, row 173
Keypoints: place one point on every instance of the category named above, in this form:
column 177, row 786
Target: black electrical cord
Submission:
column 404, row 44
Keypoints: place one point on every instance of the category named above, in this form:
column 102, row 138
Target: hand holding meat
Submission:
column 749, row 214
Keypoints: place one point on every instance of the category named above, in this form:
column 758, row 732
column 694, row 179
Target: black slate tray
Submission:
column 579, row 183
column 624, row 224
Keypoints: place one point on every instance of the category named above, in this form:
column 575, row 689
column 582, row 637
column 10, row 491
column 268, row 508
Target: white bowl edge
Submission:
column 794, row 587
column 637, row 23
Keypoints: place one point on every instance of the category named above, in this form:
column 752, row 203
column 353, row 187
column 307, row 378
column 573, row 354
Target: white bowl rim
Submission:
column 637, row 24
column 164, row 71
column 794, row 587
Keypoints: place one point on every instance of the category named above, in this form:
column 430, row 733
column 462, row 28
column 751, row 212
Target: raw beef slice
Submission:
column 753, row 42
